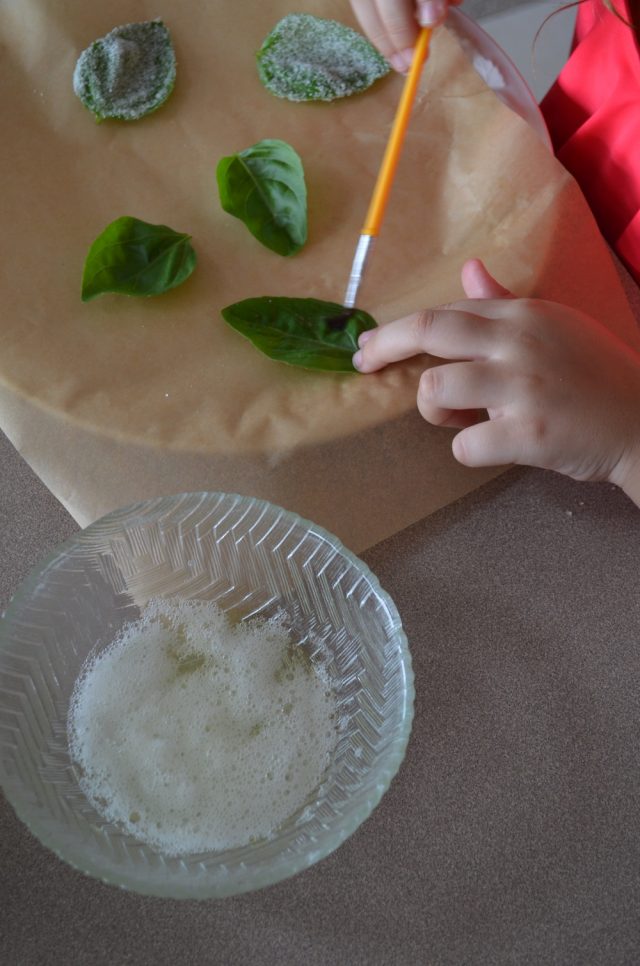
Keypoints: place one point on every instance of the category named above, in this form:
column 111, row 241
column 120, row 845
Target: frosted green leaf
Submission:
column 128, row 73
column 307, row 58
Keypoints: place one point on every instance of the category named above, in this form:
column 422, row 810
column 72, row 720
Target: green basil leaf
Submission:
column 264, row 187
column 302, row 332
column 133, row 257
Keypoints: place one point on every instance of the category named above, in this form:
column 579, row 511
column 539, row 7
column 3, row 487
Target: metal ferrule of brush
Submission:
column 357, row 269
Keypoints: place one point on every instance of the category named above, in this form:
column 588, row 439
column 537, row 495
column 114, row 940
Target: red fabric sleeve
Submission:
column 593, row 116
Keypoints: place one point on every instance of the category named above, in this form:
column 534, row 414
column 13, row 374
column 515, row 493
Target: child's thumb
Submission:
column 479, row 284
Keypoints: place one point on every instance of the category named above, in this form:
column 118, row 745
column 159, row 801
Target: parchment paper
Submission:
column 124, row 399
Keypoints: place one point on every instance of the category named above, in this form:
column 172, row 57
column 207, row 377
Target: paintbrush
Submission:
column 388, row 167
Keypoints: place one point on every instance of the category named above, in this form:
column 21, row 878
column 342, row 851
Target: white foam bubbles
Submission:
column 195, row 734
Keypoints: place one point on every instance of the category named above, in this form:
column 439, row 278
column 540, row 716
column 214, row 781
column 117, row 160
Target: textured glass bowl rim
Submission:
column 283, row 867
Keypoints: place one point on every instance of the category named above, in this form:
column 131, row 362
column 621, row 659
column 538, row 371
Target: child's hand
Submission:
column 392, row 25
column 560, row 390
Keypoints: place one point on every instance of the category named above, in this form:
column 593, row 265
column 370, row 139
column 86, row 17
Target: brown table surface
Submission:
column 511, row 834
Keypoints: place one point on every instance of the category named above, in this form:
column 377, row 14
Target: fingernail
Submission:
column 402, row 60
column 364, row 337
column 357, row 359
column 431, row 12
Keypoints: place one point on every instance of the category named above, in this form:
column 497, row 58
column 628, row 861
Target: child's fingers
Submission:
column 400, row 22
column 494, row 442
column 391, row 26
column 454, row 418
column 432, row 12
column 450, row 332
column 459, row 394
column 461, row 385
column 446, row 333
column 479, row 284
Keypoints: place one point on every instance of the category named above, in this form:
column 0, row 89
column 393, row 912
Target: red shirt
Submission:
column 593, row 116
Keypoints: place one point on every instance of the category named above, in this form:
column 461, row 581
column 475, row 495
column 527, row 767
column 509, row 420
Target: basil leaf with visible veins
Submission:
column 264, row 187
column 302, row 332
column 134, row 258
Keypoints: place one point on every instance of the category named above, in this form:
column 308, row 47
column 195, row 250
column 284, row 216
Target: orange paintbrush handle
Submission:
column 394, row 145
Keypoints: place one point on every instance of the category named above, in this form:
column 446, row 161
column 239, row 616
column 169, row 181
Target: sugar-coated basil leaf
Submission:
column 307, row 58
column 264, row 187
column 132, row 257
column 302, row 332
column 128, row 73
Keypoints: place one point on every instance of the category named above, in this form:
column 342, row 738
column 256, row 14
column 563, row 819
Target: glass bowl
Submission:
column 251, row 558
